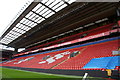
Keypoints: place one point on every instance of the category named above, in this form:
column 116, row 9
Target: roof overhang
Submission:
column 71, row 17
column 33, row 15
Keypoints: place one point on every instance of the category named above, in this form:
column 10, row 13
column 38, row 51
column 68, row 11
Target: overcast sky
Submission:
column 8, row 10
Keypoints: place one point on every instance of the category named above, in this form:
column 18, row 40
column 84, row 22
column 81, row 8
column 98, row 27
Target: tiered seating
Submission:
column 59, row 59
column 46, row 64
column 36, row 59
column 76, row 36
column 93, row 51
column 103, row 62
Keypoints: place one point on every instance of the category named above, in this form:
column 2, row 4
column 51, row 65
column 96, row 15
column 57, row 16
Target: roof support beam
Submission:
column 16, row 31
column 26, row 25
column 48, row 7
column 31, row 20
column 38, row 14
column 65, row 2
column 13, row 34
column 21, row 29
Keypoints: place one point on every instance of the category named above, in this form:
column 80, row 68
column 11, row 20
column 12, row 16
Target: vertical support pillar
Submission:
column 118, row 12
column 118, row 15
column 118, row 18
column 15, row 51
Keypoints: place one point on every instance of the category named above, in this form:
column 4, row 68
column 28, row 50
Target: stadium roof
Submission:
column 46, row 19
column 34, row 14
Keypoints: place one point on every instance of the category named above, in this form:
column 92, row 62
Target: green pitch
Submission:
column 14, row 74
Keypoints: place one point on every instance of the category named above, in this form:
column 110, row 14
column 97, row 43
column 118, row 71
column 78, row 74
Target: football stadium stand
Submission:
column 60, row 59
column 77, row 37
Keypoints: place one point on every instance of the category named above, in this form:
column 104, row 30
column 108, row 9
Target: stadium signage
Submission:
column 77, row 40
column 82, row 39
column 66, row 43
column 92, row 37
column 48, row 47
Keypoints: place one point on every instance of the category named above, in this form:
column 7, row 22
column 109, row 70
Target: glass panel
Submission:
column 67, row 0
column 32, row 16
column 29, row 25
column 50, row 2
column 71, row 1
column 22, row 21
column 41, row 20
column 28, row 22
column 54, row 3
column 19, row 35
column 19, row 30
column 41, row 8
column 5, row 39
column 14, row 28
column 50, row 14
column 26, row 28
column 22, row 31
column 16, row 33
column 10, row 35
column 58, row 5
column 12, row 32
column 45, row 10
column 22, row 27
column 44, row 1
column 47, row 13
column 18, row 25
column 33, row 25
column 2, row 40
column 29, row 14
column 9, row 38
column 61, row 7
column 35, row 17
column 38, row 6
column 5, row 42
column 38, row 19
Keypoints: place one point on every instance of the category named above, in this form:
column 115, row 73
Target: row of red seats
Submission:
column 75, row 63
column 93, row 51
column 34, row 63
